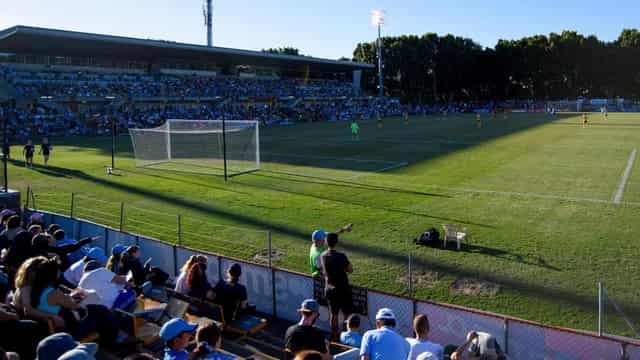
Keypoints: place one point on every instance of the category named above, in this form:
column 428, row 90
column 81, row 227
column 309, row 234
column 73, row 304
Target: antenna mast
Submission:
column 207, row 11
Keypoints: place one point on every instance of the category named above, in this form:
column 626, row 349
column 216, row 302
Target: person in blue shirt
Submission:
column 176, row 333
column 352, row 336
column 384, row 343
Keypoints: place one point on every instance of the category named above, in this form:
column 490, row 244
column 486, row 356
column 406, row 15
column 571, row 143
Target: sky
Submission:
column 323, row 28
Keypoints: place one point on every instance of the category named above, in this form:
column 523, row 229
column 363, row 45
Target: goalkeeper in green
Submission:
column 355, row 130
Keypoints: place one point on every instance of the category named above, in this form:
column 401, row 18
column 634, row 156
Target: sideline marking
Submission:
column 617, row 199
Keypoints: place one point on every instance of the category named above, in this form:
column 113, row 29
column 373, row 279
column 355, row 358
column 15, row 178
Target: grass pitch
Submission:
column 536, row 193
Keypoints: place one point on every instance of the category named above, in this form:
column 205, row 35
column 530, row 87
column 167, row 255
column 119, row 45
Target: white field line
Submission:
column 330, row 158
column 385, row 169
column 617, row 199
column 382, row 140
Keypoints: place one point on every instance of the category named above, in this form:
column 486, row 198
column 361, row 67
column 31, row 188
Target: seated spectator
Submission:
column 12, row 229
column 113, row 264
column 156, row 287
column 36, row 219
column 421, row 344
column 177, row 333
column 79, row 320
column 22, row 294
column 481, row 345
column 74, row 273
column 20, row 336
column 181, row 281
column 73, row 256
column 20, row 250
column 130, row 262
column 231, row 294
column 384, row 343
column 352, row 336
column 105, row 283
column 5, row 214
column 45, row 245
column 197, row 284
column 304, row 335
column 209, row 340
column 309, row 355
column 63, row 346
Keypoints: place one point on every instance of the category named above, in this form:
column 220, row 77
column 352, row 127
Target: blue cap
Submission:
column 318, row 235
column 310, row 305
column 118, row 249
column 385, row 314
column 53, row 346
column 97, row 254
column 175, row 327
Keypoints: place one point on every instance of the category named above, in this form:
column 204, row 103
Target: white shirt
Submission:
column 422, row 346
column 181, row 283
column 100, row 280
column 74, row 273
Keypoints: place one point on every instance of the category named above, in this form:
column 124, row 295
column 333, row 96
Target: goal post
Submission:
column 212, row 147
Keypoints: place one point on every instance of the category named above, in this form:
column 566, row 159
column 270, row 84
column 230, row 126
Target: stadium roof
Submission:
column 43, row 41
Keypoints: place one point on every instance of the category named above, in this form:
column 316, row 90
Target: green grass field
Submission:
column 535, row 193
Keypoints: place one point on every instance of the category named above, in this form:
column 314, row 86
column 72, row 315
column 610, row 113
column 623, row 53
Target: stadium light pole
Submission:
column 377, row 18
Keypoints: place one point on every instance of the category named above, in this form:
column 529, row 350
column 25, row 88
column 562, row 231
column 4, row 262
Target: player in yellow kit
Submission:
column 585, row 120
column 478, row 120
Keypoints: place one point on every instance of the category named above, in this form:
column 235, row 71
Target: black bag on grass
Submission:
column 428, row 237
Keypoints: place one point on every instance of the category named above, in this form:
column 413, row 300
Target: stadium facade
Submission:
column 56, row 49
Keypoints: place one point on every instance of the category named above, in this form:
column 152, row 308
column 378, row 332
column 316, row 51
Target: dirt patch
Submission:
column 426, row 279
column 474, row 287
column 262, row 256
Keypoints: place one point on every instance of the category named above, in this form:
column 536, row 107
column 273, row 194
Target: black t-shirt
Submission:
column 46, row 148
column 303, row 337
column 229, row 295
column 334, row 265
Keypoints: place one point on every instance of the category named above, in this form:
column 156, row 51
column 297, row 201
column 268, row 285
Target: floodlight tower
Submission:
column 207, row 11
column 377, row 19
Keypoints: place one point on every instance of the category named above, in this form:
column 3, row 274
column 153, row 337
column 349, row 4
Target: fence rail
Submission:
column 279, row 292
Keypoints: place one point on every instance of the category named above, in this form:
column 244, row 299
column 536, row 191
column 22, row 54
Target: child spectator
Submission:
column 318, row 246
column 197, row 284
column 181, row 281
column 63, row 240
column 231, row 294
column 130, row 262
column 113, row 264
column 352, row 336
column 209, row 339
column 176, row 333
column 74, row 273
column 420, row 344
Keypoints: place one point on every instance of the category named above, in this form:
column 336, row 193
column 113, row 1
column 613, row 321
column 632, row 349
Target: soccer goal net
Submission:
column 199, row 146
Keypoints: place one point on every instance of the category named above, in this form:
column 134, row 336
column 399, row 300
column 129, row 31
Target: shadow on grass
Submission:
column 371, row 250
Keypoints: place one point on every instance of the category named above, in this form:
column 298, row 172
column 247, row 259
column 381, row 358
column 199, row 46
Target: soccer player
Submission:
column 405, row 115
column 478, row 120
column 355, row 130
column 493, row 114
column 45, row 150
column 28, row 151
column 379, row 119
column 585, row 120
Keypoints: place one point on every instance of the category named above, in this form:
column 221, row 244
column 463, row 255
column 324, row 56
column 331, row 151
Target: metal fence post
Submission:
column 273, row 275
column 506, row 336
column 33, row 200
column 179, row 230
column 26, row 205
column 73, row 196
column 410, row 275
column 600, row 308
column 121, row 216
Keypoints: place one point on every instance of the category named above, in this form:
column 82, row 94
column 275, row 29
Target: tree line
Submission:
column 428, row 68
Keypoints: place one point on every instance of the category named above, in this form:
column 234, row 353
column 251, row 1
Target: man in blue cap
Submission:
column 176, row 333
column 318, row 246
column 304, row 335
column 384, row 343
